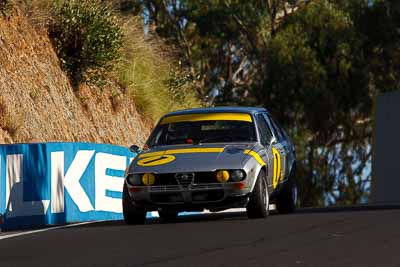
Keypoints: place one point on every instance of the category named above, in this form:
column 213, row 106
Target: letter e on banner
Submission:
column 104, row 182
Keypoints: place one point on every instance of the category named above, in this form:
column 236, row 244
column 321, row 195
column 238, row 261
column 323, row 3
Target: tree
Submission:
column 317, row 65
column 217, row 40
column 315, row 80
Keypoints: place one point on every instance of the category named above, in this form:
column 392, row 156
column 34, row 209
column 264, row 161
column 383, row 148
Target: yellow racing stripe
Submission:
column 255, row 156
column 208, row 117
column 182, row 151
column 277, row 167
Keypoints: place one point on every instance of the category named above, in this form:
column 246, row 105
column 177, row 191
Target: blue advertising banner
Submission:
column 57, row 183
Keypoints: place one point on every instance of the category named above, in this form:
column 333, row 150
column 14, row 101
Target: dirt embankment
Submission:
column 38, row 103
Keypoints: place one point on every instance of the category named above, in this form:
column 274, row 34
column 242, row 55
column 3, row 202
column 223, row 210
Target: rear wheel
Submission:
column 167, row 215
column 132, row 215
column 286, row 200
column 258, row 206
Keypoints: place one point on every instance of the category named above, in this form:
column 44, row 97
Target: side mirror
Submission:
column 135, row 149
column 273, row 141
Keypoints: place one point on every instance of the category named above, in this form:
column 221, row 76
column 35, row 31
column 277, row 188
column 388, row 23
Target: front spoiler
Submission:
column 226, row 203
column 194, row 197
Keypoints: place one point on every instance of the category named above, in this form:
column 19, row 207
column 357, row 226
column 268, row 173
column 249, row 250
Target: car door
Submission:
column 279, row 147
column 265, row 137
column 290, row 152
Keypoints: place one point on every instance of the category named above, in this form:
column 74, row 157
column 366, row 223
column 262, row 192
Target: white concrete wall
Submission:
column 386, row 147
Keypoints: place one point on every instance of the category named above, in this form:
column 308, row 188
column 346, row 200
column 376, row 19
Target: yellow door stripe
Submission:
column 182, row 151
column 255, row 156
column 208, row 117
column 277, row 167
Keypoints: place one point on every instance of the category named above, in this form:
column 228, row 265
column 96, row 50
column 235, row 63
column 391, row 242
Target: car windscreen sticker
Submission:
column 156, row 160
column 207, row 117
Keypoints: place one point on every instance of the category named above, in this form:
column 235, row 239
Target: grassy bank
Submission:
column 145, row 67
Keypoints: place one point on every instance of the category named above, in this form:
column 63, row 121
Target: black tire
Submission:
column 286, row 200
column 132, row 215
column 168, row 215
column 258, row 206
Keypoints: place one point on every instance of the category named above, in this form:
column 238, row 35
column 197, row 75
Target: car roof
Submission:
column 249, row 110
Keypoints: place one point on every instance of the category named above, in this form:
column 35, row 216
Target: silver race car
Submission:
column 215, row 159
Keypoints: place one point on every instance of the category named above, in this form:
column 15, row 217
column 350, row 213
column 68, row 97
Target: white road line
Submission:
column 44, row 230
column 154, row 214
column 271, row 207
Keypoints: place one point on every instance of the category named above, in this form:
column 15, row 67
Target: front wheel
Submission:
column 132, row 215
column 258, row 206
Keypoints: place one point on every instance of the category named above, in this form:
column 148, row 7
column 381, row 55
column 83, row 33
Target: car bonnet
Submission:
column 200, row 158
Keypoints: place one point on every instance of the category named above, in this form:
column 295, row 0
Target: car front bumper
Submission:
column 214, row 196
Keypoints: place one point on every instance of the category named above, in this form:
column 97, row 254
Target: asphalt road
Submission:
column 347, row 238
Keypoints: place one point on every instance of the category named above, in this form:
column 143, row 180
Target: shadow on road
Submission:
column 237, row 216
column 181, row 219
column 232, row 216
column 349, row 208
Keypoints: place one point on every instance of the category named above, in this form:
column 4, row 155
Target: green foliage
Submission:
column 5, row 6
column 210, row 35
column 316, row 72
column 157, row 84
column 86, row 36
column 96, row 45
column 320, row 56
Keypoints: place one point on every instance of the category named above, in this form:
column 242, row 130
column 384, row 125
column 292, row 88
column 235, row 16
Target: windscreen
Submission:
column 198, row 132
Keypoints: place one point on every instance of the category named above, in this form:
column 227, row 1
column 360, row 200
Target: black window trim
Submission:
column 280, row 129
column 267, row 116
column 268, row 125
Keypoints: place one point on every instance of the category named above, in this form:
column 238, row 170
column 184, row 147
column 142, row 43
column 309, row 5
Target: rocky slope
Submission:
column 38, row 103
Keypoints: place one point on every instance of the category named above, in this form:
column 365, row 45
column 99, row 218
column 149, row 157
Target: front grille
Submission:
column 165, row 179
column 184, row 179
column 205, row 178
column 164, row 188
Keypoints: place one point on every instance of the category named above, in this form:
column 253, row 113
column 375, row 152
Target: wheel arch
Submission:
column 262, row 168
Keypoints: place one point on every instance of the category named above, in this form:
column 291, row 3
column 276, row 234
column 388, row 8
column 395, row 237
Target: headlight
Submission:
column 223, row 176
column 148, row 179
column 134, row 179
column 237, row 175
